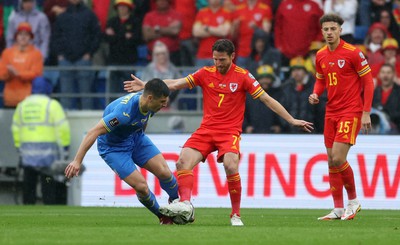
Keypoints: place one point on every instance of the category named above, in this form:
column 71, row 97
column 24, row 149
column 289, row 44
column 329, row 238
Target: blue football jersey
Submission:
column 124, row 121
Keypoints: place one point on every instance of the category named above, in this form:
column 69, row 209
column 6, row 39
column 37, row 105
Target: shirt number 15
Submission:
column 332, row 79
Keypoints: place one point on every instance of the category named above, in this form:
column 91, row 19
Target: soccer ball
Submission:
column 184, row 219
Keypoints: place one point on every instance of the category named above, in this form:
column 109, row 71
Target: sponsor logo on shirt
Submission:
column 113, row 122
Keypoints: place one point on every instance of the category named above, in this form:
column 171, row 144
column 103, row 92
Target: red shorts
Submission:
column 342, row 129
column 207, row 141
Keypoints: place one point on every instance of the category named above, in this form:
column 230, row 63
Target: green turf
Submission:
column 94, row 225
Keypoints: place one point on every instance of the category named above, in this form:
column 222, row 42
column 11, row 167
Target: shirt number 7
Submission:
column 221, row 99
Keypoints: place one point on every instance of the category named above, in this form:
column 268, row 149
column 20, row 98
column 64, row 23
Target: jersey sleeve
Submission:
column 364, row 72
column 319, row 85
column 252, row 86
column 196, row 78
column 115, row 119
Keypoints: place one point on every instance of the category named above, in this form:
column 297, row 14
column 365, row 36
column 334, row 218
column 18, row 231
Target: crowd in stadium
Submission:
column 275, row 40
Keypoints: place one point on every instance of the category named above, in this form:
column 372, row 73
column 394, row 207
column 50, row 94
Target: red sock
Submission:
column 348, row 180
column 185, row 184
column 235, row 192
column 336, row 184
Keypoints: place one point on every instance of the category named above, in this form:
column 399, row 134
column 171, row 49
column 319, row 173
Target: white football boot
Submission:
column 236, row 220
column 353, row 207
column 336, row 213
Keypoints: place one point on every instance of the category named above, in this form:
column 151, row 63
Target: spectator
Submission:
column 387, row 19
column 161, row 67
column 259, row 119
column 123, row 34
column 187, row 10
column 76, row 38
column 250, row 16
column 163, row 24
column 347, row 9
column 53, row 8
column 387, row 95
column 310, row 60
column 263, row 53
column 42, row 136
column 211, row 23
column 396, row 12
column 27, row 12
column 373, row 42
column 296, row 26
column 295, row 92
column 376, row 7
column 390, row 49
column 19, row 65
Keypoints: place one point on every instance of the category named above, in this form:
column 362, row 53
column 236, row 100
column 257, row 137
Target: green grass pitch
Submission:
column 106, row 225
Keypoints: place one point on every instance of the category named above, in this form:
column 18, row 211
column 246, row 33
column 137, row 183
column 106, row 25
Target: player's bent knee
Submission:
column 142, row 189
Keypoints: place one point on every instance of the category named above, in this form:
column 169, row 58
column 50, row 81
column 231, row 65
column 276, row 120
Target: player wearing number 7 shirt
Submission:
column 224, row 88
column 343, row 70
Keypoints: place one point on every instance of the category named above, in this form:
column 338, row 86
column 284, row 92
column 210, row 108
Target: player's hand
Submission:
column 72, row 169
column 366, row 122
column 306, row 126
column 313, row 99
column 134, row 85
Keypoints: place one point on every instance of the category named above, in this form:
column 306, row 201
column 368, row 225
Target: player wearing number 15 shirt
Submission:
column 343, row 71
column 224, row 88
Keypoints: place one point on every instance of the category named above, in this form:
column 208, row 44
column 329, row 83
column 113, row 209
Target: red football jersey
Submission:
column 340, row 72
column 260, row 13
column 224, row 96
column 207, row 17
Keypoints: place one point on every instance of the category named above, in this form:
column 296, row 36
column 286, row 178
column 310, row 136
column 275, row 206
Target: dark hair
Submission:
column 388, row 65
column 224, row 45
column 331, row 18
column 157, row 88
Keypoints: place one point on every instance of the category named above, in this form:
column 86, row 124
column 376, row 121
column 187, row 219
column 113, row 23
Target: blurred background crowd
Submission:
column 65, row 41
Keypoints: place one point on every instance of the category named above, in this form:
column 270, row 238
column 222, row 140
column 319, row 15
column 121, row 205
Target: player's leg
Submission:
column 231, row 165
column 122, row 164
column 145, row 196
column 228, row 153
column 347, row 131
column 158, row 166
column 188, row 159
column 335, row 180
column 343, row 168
column 336, row 188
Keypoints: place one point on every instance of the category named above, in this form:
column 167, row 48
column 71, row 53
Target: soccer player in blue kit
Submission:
column 121, row 143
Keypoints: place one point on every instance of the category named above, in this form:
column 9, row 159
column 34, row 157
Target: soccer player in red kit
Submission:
column 224, row 87
column 343, row 70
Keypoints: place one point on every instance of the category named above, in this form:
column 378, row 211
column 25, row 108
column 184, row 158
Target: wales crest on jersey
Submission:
column 233, row 86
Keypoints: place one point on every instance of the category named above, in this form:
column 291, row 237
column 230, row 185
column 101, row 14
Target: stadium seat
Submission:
column 142, row 55
column 360, row 33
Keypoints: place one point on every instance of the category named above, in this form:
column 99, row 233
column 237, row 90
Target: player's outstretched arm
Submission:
column 282, row 112
column 133, row 85
column 136, row 84
column 74, row 167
